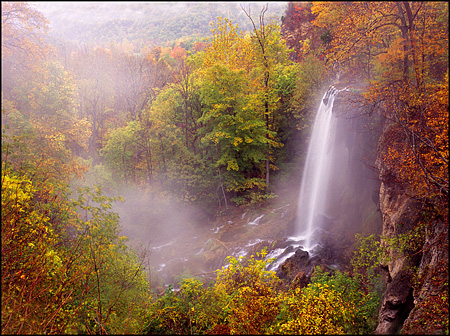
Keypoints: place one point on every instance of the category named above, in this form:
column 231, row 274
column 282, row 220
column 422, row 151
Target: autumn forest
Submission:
column 213, row 109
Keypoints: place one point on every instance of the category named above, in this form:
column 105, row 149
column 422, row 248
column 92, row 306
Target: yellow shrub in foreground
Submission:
column 316, row 309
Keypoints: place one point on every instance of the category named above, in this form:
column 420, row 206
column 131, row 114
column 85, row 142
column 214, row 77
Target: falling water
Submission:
column 317, row 172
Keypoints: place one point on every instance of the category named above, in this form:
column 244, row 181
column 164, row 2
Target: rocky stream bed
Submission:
column 202, row 249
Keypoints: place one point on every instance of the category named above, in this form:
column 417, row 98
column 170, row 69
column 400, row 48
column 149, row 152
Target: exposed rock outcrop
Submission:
column 400, row 215
column 297, row 270
column 431, row 293
column 417, row 274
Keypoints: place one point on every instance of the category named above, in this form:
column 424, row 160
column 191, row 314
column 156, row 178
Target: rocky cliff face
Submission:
column 400, row 215
column 416, row 296
column 431, row 293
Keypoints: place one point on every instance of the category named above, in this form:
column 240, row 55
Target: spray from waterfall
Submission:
column 317, row 172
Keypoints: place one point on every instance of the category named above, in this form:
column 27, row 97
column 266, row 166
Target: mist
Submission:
column 93, row 22
column 147, row 219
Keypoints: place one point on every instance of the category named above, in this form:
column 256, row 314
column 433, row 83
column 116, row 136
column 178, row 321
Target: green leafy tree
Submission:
column 179, row 161
column 120, row 152
column 269, row 50
column 119, row 294
column 234, row 129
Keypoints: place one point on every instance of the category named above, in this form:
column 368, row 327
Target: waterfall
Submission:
column 317, row 172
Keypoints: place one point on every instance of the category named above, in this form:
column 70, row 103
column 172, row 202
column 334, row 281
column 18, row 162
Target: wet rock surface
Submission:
column 297, row 270
column 396, row 305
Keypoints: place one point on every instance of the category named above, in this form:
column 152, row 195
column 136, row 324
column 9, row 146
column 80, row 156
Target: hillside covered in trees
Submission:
column 210, row 106
column 144, row 24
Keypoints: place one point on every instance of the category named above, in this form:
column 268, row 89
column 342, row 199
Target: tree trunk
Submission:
column 149, row 164
column 163, row 157
column 223, row 190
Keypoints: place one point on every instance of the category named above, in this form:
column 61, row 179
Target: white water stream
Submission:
column 317, row 172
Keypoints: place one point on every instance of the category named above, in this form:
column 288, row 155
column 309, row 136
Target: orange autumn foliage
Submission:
column 401, row 50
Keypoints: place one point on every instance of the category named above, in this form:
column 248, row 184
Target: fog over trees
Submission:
column 149, row 23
